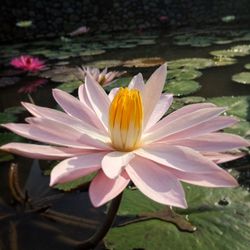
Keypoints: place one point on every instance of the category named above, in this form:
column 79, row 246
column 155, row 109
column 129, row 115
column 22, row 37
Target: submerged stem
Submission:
column 104, row 228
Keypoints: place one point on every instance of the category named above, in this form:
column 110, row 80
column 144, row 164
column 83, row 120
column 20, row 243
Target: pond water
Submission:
column 201, row 66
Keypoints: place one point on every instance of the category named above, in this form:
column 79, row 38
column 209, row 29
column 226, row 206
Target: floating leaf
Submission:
column 241, row 128
column 15, row 110
column 220, row 215
column 69, row 86
column 10, row 137
column 236, row 105
column 92, row 52
column 243, row 77
column 181, row 87
column 228, row 19
column 5, row 157
column 121, row 82
column 144, row 62
column 183, row 74
column 247, row 66
column 196, row 63
column 24, row 24
column 192, row 99
column 104, row 63
column 239, row 50
column 223, row 61
column 7, row 117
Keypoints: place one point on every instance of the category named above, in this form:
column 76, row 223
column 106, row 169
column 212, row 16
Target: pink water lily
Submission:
column 122, row 137
column 28, row 63
column 104, row 77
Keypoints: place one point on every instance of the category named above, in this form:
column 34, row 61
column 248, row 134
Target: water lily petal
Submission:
column 87, row 138
column 223, row 157
column 184, row 122
column 65, row 119
column 103, row 189
column 74, row 107
column 83, row 97
column 189, row 109
column 214, row 142
column 98, row 99
column 152, row 91
column 177, row 157
column 41, row 151
column 112, row 93
column 203, row 128
column 60, row 136
column 160, row 109
column 217, row 179
column 137, row 82
column 76, row 167
column 113, row 162
column 156, row 183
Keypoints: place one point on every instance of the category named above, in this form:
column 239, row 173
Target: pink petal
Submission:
column 216, row 179
column 83, row 97
column 156, row 183
column 65, row 119
column 177, row 157
column 60, row 136
column 214, row 142
column 103, row 189
column 184, row 122
column 113, row 162
column 160, row 109
column 189, row 109
column 137, row 83
column 42, row 152
column 98, row 99
column 152, row 91
column 76, row 167
column 203, row 128
column 113, row 93
column 85, row 137
column 74, row 107
column 223, row 157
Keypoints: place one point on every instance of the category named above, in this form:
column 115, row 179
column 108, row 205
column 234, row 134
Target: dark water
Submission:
column 69, row 217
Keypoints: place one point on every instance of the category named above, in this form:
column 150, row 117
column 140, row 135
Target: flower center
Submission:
column 101, row 79
column 125, row 119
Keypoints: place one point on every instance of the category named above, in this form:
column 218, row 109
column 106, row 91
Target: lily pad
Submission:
column 5, row 157
column 69, row 86
column 195, row 63
column 105, row 63
column 247, row 66
column 181, row 87
column 228, row 19
column 24, row 24
column 243, row 77
column 184, row 74
column 92, row 52
column 144, row 62
column 15, row 110
column 241, row 128
column 121, row 82
column 223, row 61
column 240, row 50
column 192, row 99
column 10, row 137
column 7, row 117
column 220, row 215
column 238, row 106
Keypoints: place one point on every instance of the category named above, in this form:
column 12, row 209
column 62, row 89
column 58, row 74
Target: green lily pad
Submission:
column 236, row 105
column 239, row 50
column 241, row 128
column 5, row 157
column 228, row 19
column 15, row 110
column 243, row 77
column 92, row 52
column 247, row 66
column 10, row 137
column 24, row 24
column 223, row 61
column 70, row 86
column 220, row 215
column 192, row 99
column 181, row 87
column 195, row 63
column 105, row 63
column 71, row 185
column 121, row 82
column 183, row 74
column 7, row 117
column 144, row 62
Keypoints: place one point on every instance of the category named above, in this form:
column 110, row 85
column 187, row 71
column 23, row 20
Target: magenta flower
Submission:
column 27, row 63
column 104, row 77
column 120, row 137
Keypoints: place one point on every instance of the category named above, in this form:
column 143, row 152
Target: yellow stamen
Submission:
column 125, row 119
